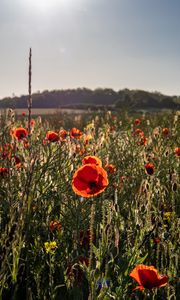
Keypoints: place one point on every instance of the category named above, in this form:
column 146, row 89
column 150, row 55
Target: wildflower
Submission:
column 55, row 225
column 3, row 171
column 75, row 133
column 168, row 216
column 89, row 180
column 156, row 240
column 143, row 140
column 17, row 161
column 137, row 121
column 138, row 131
column 50, row 247
column 92, row 160
column 33, row 122
column 149, row 168
column 23, row 114
column 148, row 277
column 52, row 136
column 63, row 135
column 165, row 131
column 177, row 151
column 19, row 133
column 110, row 168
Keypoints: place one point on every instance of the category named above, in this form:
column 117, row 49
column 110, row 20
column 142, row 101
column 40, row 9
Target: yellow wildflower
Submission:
column 50, row 247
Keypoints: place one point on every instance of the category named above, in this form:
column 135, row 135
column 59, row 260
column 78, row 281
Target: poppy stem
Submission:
column 91, row 286
column 91, row 233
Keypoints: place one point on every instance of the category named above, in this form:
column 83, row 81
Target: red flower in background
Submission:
column 3, row 171
column 63, row 135
column 33, row 122
column 75, row 133
column 137, row 121
column 19, row 133
column 138, row 131
column 17, row 161
column 110, row 168
column 142, row 140
column 177, row 151
column 55, row 225
column 156, row 240
column 92, row 160
column 89, row 180
column 165, row 131
column 149, row 168
column 148, row 277
column 52, row 136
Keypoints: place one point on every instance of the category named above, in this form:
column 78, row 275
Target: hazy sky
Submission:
column 90, row 43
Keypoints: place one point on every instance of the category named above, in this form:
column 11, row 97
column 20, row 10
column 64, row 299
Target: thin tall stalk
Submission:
column 29, row 90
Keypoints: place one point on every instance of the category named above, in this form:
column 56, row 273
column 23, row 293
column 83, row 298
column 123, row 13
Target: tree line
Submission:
column 100, row 97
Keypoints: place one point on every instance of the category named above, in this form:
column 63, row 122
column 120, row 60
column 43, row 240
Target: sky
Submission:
column 116, row 44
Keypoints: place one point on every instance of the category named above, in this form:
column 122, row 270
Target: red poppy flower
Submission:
column 17, row 161
column 137, row 121
column 52, row 136
column 89, row 180
column 143, row 140
column 75, row 133
column 110, row 168
column 55, row 225
column 138, row 131
column 33, row 122
column 92, row 160
column 165, row 131
column 149, row 168
column 3, row 171
column 177, row 151
column 148, row 277
column 63, row 135
column 19, row 133
column 156, row 240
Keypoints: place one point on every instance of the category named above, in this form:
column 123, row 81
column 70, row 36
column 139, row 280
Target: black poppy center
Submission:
column 21, row 135
column 92, row 185
column 150, row 170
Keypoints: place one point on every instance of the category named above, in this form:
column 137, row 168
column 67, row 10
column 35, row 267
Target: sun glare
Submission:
column 45, row 5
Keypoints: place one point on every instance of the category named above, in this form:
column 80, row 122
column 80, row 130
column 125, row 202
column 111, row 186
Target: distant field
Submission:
column 49, row 111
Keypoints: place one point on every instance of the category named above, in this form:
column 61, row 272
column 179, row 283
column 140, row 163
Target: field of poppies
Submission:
column 90, row 207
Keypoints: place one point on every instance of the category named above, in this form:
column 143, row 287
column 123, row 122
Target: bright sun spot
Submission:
column 45, row 5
